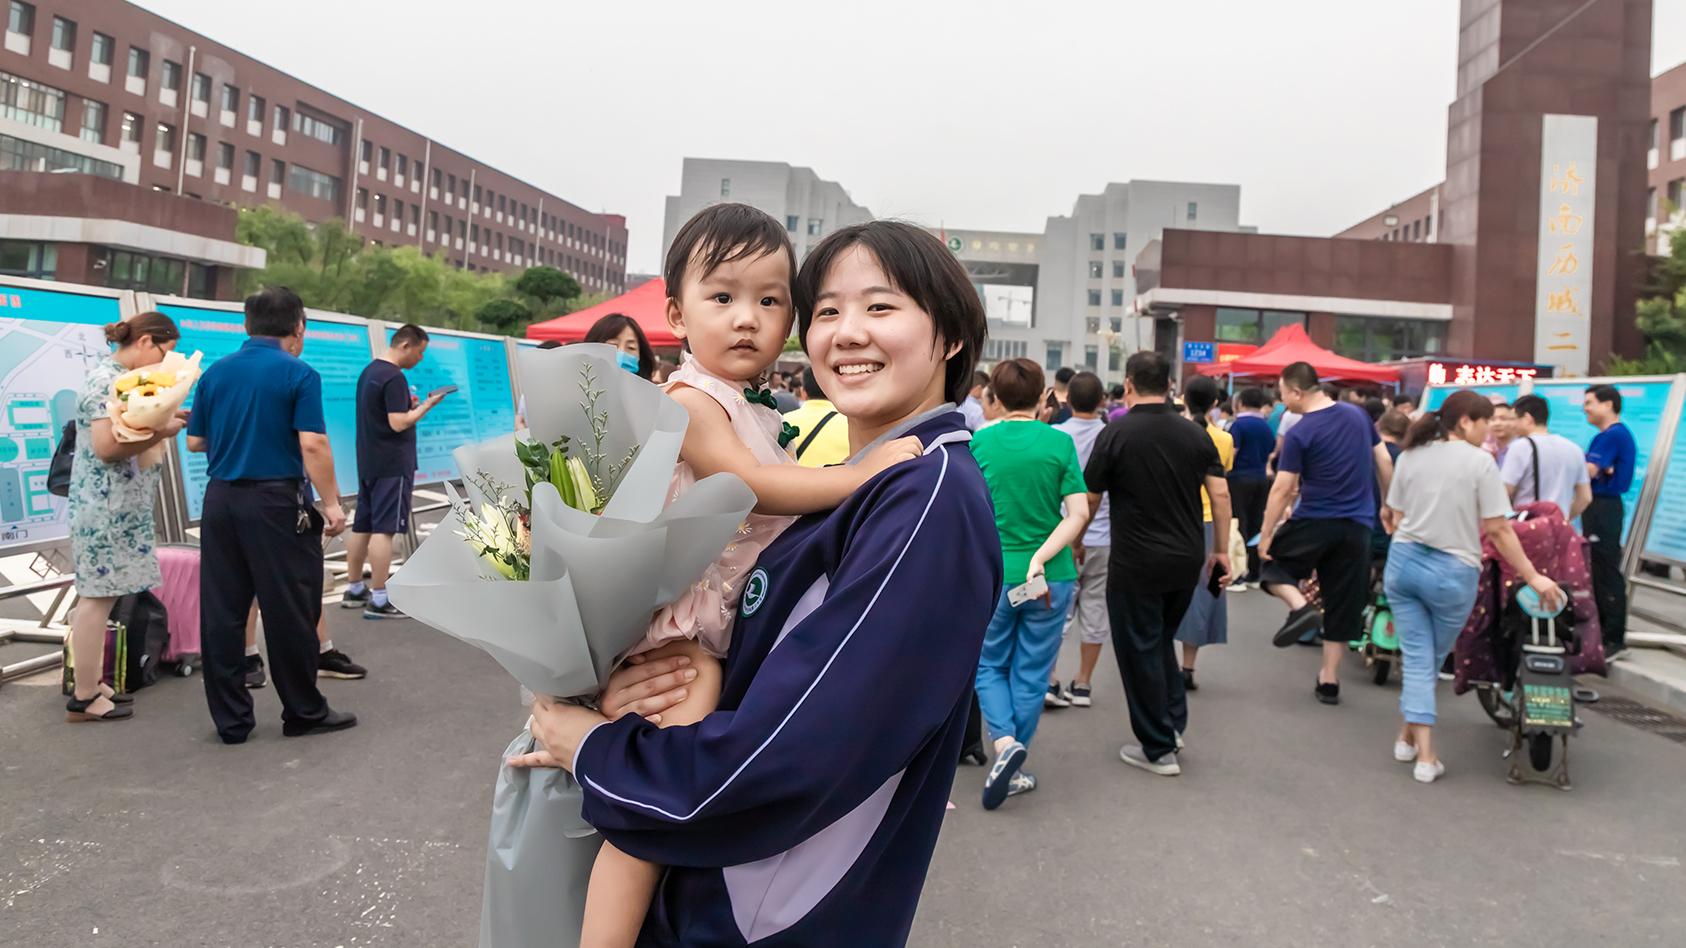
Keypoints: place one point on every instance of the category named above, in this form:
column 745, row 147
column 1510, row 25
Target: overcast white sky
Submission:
column 986, row 114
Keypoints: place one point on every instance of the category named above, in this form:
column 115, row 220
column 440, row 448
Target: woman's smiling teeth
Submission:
column 859, row 368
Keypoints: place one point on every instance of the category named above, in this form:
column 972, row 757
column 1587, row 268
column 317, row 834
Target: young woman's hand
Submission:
column 1035, row 569
column 647, row 686
column 1551, row 594
column 888, row 455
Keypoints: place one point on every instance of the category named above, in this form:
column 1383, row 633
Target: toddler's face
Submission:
column 737, row 318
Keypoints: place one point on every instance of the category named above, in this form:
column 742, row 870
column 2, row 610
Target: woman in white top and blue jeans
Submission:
column 1446, row 494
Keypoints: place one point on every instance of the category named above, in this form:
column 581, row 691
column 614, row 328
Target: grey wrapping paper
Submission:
column 595, row 583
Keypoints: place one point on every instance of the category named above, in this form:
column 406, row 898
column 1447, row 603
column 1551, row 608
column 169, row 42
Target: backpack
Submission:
column 58, row 470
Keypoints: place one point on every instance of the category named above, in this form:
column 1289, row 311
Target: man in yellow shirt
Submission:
column 823, row 435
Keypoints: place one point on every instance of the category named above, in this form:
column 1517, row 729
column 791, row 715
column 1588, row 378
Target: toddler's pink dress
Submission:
column 705, row 613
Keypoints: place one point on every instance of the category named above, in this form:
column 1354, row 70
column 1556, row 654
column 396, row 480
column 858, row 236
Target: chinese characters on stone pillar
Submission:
column 1563, row 294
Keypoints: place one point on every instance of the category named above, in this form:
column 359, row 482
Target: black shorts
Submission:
column 383, row 505
column 1339, row 552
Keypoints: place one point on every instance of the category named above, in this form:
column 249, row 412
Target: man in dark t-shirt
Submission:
column 387, row 414
column 1334, row 462
column 1151, row 465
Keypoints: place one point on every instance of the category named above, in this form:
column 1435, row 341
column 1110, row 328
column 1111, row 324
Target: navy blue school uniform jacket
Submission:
column 804, row 811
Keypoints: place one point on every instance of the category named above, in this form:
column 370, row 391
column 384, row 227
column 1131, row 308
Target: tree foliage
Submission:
column 1661, row 317
column 332, row 268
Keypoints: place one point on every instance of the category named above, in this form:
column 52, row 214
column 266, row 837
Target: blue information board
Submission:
column 1199, row 353
column 338, row 351
column 1643, row 404
column 1666, row 538
column 483, row 407
column 49, row 341
column 1435, row 396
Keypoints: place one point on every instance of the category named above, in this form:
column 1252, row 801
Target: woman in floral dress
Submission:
column 111, row 499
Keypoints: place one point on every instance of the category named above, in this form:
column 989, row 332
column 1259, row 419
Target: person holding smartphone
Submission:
column 387, row 415
column 1032, row 470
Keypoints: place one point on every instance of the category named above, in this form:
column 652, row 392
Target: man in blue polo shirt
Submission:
column 387, row 415
column 1609, row 462
column 1249, row 479
column 257, row 413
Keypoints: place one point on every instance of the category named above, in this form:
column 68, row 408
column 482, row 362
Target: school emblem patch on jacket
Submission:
column 754, row 592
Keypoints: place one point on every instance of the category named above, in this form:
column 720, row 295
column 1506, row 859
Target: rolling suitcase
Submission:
column 179, row 592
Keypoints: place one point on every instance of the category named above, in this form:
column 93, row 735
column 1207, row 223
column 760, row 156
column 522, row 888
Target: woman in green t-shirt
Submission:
column 1031, row 470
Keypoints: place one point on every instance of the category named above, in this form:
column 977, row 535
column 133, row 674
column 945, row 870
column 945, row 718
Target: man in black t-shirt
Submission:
column 1151, row 464
column 387, row 415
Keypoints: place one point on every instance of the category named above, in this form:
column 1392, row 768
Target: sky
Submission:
column 986, row 114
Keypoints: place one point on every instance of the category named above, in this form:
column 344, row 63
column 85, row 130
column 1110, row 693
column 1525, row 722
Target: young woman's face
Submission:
column 737, row 318
column 1474, row 431
column 874, row 350
column 150, row 352
column 627, row 342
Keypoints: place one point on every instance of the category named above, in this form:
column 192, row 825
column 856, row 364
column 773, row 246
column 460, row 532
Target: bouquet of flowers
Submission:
column 143, row 399
column 556, row 580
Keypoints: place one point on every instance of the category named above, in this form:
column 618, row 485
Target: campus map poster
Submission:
column 49, row 340
column 483, row 407
column 338, row 351
column 1667, row 535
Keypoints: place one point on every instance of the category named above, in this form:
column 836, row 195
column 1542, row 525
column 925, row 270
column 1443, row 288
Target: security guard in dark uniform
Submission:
column 258, row 414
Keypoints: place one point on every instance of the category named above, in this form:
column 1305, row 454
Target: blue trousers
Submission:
column 1019, row 649
column 1431, row 592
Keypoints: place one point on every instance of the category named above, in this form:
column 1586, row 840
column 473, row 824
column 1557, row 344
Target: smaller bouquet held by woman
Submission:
column 145, row 399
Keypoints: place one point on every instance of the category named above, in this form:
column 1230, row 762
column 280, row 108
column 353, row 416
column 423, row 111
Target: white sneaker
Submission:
column 1429, row 773
column 1180, row 743
column 1618, row 655
column 1021, row 783
column 1166, row 766
column 1403, row 752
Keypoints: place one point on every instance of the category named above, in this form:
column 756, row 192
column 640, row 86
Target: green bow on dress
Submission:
column 762, row 396
column 788, row 434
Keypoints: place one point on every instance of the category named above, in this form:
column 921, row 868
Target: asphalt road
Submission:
column 1291, row 824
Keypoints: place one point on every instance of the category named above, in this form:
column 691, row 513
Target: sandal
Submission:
column 115, row 698
column 77, row 711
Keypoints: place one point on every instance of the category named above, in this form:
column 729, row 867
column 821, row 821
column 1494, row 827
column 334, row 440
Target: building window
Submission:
column 386, row 158
column 21, row 18
column 1095, row 269
column 1097, row 241
column 31, row 103
column 1055, row 354
column 397, row 212
column 164, row 140
column 403, row 166
column 255, row 108
column 1381, row 339
column 282, row 117
column 100, row 50
column 815, row 225
column 1092, row 358
column 140, row 62
column 30, row 260
column 277, row 171
column 254, row 161
column 1251, row 325
column 316, row 128
column 1118, row 240
column 64, row 35
column 230, row 98
column 1118, row 297
column 1118, row 269
column 169, row 78
column 93, row 121
column 725, row 187
column 19, row 155
column 225, row 156
column 1193, row 211
column 195, row 146
column 1651, row 204
column 1094, row 297
column 127, row 270
column 380, row 205
column 1675, row 192
column 1677, row 124
column 201, row 90
column 1092, row 325
column 478, row 190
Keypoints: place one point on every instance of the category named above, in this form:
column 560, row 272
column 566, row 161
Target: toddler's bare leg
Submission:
column 622, row 885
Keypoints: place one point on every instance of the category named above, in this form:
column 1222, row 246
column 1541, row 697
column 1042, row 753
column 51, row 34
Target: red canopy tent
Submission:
column 646, row 304
column 1290, row 345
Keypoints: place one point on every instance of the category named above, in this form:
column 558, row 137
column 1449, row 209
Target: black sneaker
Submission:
column 1302, row 620
column 1080, row 695
column 1056, row 697
column 255, row 678
column 334, row 664
column 352, row 600
column 1329, row 694
column 385, row 611
column 1188, row 680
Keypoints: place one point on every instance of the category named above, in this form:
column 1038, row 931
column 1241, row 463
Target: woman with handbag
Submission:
column 112, row 537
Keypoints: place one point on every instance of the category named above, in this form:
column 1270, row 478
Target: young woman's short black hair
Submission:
column 918, row 265
column 610, row 327
column 723, row 233
column 273, row 311
column 1199, row 395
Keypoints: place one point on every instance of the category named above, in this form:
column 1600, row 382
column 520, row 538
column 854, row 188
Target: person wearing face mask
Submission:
column 624, row 333
column 1445, row 496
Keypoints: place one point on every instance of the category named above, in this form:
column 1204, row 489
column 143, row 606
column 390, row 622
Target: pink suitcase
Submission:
column 180, row 595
